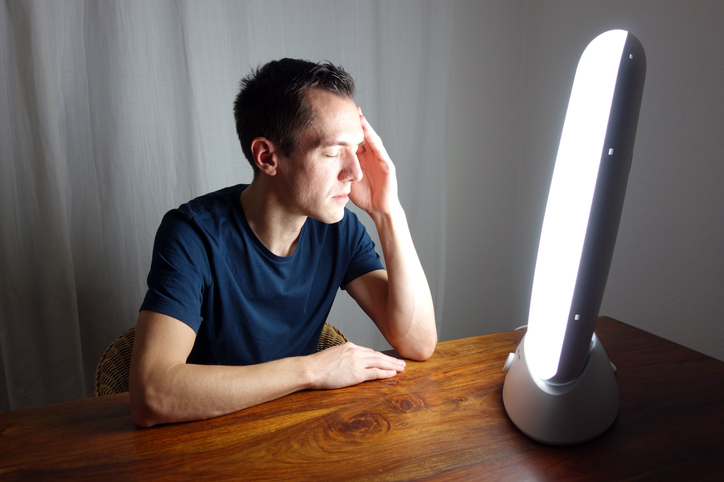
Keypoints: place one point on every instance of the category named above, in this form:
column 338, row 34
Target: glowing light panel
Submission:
column 569, row 200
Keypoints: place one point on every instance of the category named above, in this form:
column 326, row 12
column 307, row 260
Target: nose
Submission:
column 351, row 170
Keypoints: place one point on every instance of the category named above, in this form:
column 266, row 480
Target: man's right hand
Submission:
column 349, row 364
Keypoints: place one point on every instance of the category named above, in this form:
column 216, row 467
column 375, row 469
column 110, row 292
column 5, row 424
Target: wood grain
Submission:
column 440, row 420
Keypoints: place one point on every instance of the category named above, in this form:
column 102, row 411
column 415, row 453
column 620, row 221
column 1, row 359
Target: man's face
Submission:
column 318, row 177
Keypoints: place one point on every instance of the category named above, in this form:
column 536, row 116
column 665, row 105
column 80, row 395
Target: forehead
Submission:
column 336, row 120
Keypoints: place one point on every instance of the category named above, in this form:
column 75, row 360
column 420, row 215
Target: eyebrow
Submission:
column 340, row 143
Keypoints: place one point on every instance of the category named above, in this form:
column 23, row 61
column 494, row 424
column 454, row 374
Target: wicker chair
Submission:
column 115, row 363
column 115, row 366
column 330, row 336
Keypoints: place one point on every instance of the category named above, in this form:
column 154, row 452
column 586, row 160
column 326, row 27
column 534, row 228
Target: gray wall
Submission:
column 512, row 70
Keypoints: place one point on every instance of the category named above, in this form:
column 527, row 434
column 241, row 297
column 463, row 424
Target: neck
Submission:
column 275, row 227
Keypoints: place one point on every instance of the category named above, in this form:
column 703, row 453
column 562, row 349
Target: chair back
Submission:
column 114, row 366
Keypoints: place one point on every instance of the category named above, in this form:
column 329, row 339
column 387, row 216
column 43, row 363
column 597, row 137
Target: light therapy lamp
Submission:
column 560, row 387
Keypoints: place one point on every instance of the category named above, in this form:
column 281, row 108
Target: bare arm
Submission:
column 398, row 300
column 164, row 388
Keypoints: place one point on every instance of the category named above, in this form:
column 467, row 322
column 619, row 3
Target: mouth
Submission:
column 341, row 198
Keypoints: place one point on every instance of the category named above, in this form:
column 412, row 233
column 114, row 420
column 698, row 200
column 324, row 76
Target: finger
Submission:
column 370, row 134
column 367, row 128
column 374, row 149
column 385, row 362
column 375, row 359
column 352, row 346
column 379, row 374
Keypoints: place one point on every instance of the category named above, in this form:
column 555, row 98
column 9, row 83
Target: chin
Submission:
column 330, row 217
column 334, row 220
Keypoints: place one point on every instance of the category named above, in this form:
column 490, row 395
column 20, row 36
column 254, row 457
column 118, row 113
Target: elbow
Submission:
column 146, row 406
column 427, row 352
column 143, row 416
column 420, row 350
column 143, row 412
column 417, row 345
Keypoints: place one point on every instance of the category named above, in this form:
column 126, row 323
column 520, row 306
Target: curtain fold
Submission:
column 114, row 112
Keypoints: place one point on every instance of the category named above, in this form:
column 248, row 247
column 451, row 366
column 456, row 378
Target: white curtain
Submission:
column 113, row 112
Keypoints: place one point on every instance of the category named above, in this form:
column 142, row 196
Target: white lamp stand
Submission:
column 562, row 414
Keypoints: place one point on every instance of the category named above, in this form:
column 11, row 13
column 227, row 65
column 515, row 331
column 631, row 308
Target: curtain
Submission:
column 114, row 112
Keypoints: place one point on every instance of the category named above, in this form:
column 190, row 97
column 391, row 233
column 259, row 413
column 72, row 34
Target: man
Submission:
column 242, row 279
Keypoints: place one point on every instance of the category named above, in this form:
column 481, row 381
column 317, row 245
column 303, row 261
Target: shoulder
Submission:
column 207, row 212
column 352, row 227
column 213, row 203
column 206, row 217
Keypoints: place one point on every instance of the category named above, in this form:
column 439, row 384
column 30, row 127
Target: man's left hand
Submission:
column 376, row 193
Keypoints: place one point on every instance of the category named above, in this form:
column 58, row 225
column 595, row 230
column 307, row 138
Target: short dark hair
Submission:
column 272, row 102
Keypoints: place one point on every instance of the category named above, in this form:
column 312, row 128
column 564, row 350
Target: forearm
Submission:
column 185, row 392
column 400, row 302
column 409, row 324
column 165, row 389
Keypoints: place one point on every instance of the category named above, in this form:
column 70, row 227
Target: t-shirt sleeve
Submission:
column 179, row 271
column 364, row 258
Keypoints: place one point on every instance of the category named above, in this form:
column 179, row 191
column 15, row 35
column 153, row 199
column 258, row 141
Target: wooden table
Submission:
column 442, row 419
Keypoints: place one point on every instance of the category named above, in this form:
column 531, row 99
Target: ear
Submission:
column 265, row 155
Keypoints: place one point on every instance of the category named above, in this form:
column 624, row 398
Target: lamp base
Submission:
column 562, row 414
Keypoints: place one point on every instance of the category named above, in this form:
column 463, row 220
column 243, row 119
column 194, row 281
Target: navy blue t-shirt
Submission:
column 246, row 304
